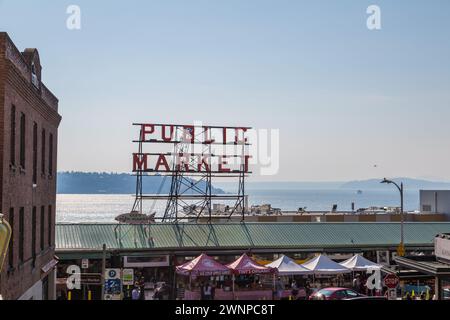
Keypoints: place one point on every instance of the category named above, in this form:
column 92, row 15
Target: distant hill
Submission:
column 370, row 184
column 274, row 185
column 408, row 183
column 113, row 183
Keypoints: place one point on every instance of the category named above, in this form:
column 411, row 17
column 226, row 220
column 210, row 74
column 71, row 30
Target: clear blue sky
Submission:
column 344, row 98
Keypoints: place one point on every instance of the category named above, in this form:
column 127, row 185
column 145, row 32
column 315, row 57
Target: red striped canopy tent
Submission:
column 246, row 265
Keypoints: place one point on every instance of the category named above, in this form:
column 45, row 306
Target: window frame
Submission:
column 23, row 132
column 11, row 242
column 22, row 235
column 42, row 229
column 12, row 140
column 35, row 152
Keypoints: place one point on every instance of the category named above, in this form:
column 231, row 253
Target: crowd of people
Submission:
column 299, row 289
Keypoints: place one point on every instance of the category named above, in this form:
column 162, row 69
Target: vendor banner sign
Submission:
column 442, row 247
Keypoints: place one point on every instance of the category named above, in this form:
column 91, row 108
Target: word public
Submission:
column 170, row 133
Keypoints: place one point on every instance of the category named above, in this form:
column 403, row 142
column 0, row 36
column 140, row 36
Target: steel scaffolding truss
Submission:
column 192, row 194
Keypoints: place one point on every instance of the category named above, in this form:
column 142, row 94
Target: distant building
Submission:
column 28, row 147
column 435, row 201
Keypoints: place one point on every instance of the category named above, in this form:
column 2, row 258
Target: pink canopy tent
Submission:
column 203, row 266
column 246, row 265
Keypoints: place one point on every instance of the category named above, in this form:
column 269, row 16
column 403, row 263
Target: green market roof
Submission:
column 221, row 236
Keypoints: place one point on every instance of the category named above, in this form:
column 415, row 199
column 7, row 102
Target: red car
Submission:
column 335, row 294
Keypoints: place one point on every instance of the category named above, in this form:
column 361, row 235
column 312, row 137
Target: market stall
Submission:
column 200, row 270
column 288, row 268
column 322, row 265
column 326, row 272
column 251, row 281
column 359, row 263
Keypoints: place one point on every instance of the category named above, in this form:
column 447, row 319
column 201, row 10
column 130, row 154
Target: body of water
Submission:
column 104, row 208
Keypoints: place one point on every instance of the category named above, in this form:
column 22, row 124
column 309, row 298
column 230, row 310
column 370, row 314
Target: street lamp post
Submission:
column 400, row 188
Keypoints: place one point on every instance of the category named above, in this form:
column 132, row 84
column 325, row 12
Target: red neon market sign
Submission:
column 198, row 149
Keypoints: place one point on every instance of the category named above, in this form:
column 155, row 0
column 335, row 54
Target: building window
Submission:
column 50, row 226
column 33, row 232
column 12, row 142
column 21, row 234
column 35, row 152
column 22, row 140
column 43, row 152
column 50, row 155
column 11, row 243
column 42, row 224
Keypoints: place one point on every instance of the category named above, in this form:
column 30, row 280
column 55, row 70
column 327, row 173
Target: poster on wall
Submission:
column 442, row 248
column 128, row 277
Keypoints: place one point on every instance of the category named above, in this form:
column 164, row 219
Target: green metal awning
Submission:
column 224, row 236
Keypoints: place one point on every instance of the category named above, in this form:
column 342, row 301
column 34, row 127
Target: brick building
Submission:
column 29, row 123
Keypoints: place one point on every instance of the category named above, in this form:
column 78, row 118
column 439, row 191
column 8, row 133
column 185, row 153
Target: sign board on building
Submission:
column 146, row 262
column 91, row 278
column 113, row 284
column 128, row 277
column 383, row 258
column 85, row 264
column 191, row 135
column 135, row 217
column 442, row 247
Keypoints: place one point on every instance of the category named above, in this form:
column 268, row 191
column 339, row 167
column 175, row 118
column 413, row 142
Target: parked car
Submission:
column 446, row 295
column 380, row 298
column 335, row 294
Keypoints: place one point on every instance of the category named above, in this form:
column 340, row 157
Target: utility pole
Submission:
column 103, row 271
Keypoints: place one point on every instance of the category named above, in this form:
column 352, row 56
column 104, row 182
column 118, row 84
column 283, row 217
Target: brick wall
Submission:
column 17, row 189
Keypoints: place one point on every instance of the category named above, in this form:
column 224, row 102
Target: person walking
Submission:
column 202, row 291
column 279, row 288
column 357, row 283
column 422, row 296
column 213, row 292
column 135, row 293
column 308, row 288
column 294, row 288
column 208, row 292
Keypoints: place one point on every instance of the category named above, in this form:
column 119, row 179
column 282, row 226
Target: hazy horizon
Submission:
column 251, row 181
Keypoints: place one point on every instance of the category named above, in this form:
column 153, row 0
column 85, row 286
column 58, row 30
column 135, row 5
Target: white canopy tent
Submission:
column 288, row 267
column 322, row 265
column 359, row 263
